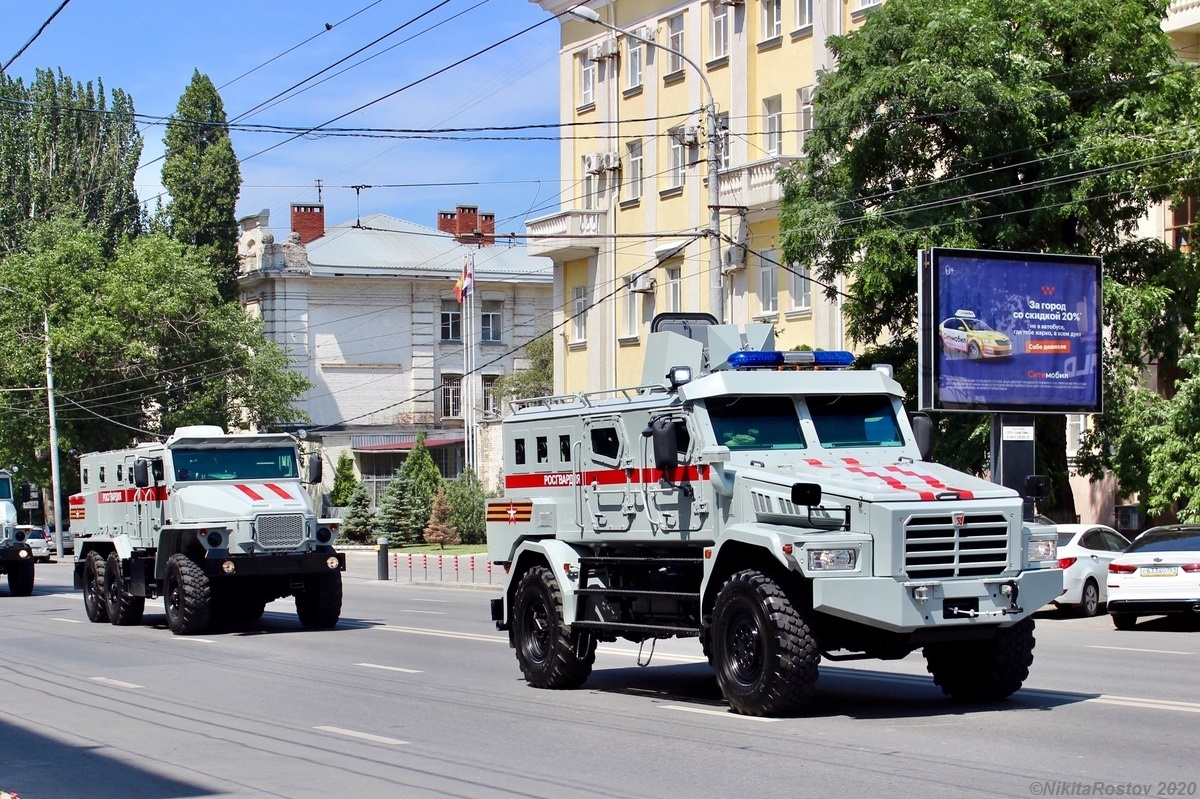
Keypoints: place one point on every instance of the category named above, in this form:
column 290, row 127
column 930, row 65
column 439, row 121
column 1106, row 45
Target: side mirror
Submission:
column 314, row 468
column 141, row 473
column 806, row 494
column 1037, row 486
column 923, row 429
column 666, row 446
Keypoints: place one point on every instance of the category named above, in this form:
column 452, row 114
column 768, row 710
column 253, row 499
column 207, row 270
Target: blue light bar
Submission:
column 773, row 359
column 751, row 359
column 837, row 359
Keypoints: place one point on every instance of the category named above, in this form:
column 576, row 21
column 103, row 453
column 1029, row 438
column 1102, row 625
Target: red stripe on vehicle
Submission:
column 248, row 491
column 892, row 482
column 932, row 481
column 278, row 491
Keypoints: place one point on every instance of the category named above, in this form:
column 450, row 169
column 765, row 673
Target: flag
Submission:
column 465, row 285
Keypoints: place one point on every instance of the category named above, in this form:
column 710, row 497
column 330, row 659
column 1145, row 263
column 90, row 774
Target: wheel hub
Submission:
column 745, row 649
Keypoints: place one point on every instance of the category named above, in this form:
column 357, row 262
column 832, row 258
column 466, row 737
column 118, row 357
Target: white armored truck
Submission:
column 16, row 558
column 772, row 504
column 216, row 524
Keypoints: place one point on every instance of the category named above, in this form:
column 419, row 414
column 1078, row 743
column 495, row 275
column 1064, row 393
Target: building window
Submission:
column 451, row 396
column 800, row 287
column 1183, row 217
column 1076, row 424
column 723, row 139
column 490, row 321
column 633, row 64
column 637, row 168
column 804, row 13
column 491, row 403
column 591, row 188
column 630, row 328
column 451, row 321
column 579, row 309
column 678, row 158
column 675, row 42
column 587, row 80
column 768, row 282
column 804, row 116
column 720, row 31
column 772, row 19
column 773, row 124
column 675, row 289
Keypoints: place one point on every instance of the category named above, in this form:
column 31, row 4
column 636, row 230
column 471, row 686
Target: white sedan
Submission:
column 1159, row 573
column 1084, row 552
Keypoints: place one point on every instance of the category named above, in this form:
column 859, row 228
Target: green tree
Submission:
column 140, row 339
column 359, row 524
column 344, row 482
column 421, row 483
column 439, row 530
column 537, row 378
column 468, row 507
column 1042, row 126
column 392, row 519
column 66, row 147
column 201, row 172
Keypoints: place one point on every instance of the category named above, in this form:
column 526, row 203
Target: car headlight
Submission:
column 832, row 559
column 1043, row 550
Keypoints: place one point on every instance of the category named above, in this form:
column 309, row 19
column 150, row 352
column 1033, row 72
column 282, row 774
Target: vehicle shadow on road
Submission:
column 840, row 691
column 271, row 623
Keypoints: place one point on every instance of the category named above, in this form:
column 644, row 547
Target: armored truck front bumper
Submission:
column 15, row 552
column 910, row 605
column 218, row 564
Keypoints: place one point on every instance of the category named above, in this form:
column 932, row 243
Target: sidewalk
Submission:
column 472, row 570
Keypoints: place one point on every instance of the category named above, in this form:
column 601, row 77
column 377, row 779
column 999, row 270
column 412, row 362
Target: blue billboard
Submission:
column 1009, row 332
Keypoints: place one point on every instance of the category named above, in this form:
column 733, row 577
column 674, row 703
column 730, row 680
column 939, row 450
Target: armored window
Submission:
column 564, row 449
column 543, row 450
column 120, row 473
column 759, row 422
column 85, row 476
column 683, row 439
column 156, row 469
column 605, row 442
column 863, row 420
column 101, row 475
column 519, row 451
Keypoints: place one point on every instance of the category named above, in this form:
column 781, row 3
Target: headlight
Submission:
column 19, row 536
column 832, row 559
column 1043, row 550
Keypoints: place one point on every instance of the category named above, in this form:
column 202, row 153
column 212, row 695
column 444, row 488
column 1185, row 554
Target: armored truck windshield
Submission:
column 267, row 463
column 855, row 420
column 755, row 422
column 5, row 488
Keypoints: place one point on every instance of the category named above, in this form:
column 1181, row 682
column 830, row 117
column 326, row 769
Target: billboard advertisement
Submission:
column 1009, row 332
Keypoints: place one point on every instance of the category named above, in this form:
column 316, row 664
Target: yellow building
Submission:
column 634, row 236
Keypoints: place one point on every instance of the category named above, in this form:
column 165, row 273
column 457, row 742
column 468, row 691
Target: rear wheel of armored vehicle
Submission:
column 763, row 649
column 20, row 578
column 319, row 605
column 93, row 588
column 123, row 608
column 547, row 653
column 983, row 671
column 188, row 596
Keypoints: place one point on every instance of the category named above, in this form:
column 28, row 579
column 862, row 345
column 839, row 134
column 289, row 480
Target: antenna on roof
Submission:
column 357, row 206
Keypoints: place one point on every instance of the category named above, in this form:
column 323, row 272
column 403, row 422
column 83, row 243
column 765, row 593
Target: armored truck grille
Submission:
column 279, row 532
column 934, row 546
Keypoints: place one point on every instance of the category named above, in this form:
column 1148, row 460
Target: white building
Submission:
column 367, row 312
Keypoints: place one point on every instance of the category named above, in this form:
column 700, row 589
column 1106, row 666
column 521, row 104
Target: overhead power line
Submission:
column 34, row 37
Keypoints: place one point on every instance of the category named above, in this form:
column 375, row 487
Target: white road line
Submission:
column 490, row 639
column 722, row 713
column 1151, row 704
column 426, row 612
column 612, row 650
column 68, row 621
column 366, row 736
column 1131, row 649
column 439, row 601
column 192, row 639
column 388, row 668
column 117, row 683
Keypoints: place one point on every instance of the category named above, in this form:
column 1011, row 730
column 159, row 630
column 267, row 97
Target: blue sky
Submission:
column 150, row 50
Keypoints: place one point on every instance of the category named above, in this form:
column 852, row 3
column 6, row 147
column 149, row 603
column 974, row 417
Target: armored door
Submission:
column 607, row 474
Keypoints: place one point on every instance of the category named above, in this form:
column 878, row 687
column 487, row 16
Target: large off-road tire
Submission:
column 93, row 588
column 763, row 648
column 1124, row 621
column 983, row 671
column 188, row 596
column 124, row 609
column 20, row 578
column 547, row 652
column 319, row 605
column 1089, row 598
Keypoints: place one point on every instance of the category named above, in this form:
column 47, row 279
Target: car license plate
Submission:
column 1158, row 571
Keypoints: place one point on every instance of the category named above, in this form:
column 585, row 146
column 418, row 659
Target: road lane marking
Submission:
column 1131, row 649
column 365, row 736
column 722, row 713
column 1151, row 704
column 388, row 668
column 613, row 650
column 68, row 621
column 491, row 639
column 192, row 639
column 426, row 612
column 117, row 683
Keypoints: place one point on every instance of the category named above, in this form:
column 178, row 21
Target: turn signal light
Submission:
column 1065, row 563
column 1191, row 568
column 1120, row 568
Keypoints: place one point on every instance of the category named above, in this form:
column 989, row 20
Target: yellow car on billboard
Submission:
column 965, row 333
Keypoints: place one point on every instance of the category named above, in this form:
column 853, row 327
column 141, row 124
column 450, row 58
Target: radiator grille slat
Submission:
column 279, row 531
column 935, row 547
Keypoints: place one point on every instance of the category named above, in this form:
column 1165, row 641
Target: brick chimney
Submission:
column 467, row 225
column 308, row 219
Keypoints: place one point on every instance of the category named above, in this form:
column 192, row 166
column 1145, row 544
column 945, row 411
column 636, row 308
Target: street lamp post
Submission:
column 716, row 297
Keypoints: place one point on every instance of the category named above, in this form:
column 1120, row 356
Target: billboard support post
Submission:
column 1014, row 454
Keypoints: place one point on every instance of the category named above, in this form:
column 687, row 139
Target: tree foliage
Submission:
column 344, row 482
column 359, row 523
column 392, row 517
column 421, row 483
column 468, row 509
column 1041, row 126
column 440, row 530
column 201, row 172
column 66, row 147
column 536, row 379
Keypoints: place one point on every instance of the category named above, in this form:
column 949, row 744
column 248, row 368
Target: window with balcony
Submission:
column 768, row 282
column 719, row 44
column 451, row 329
column 451, row 396
column 490, row 322
column 637, row 167
column 773, row 125
column 579, row 309
column 675, row 61
column 772, row 19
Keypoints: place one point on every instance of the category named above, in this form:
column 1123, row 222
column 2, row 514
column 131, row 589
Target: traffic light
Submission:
column 29, row 492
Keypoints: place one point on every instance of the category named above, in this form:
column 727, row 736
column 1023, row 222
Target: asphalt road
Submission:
column 415, row 694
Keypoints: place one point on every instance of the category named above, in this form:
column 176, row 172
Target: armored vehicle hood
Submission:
column 238, row 499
